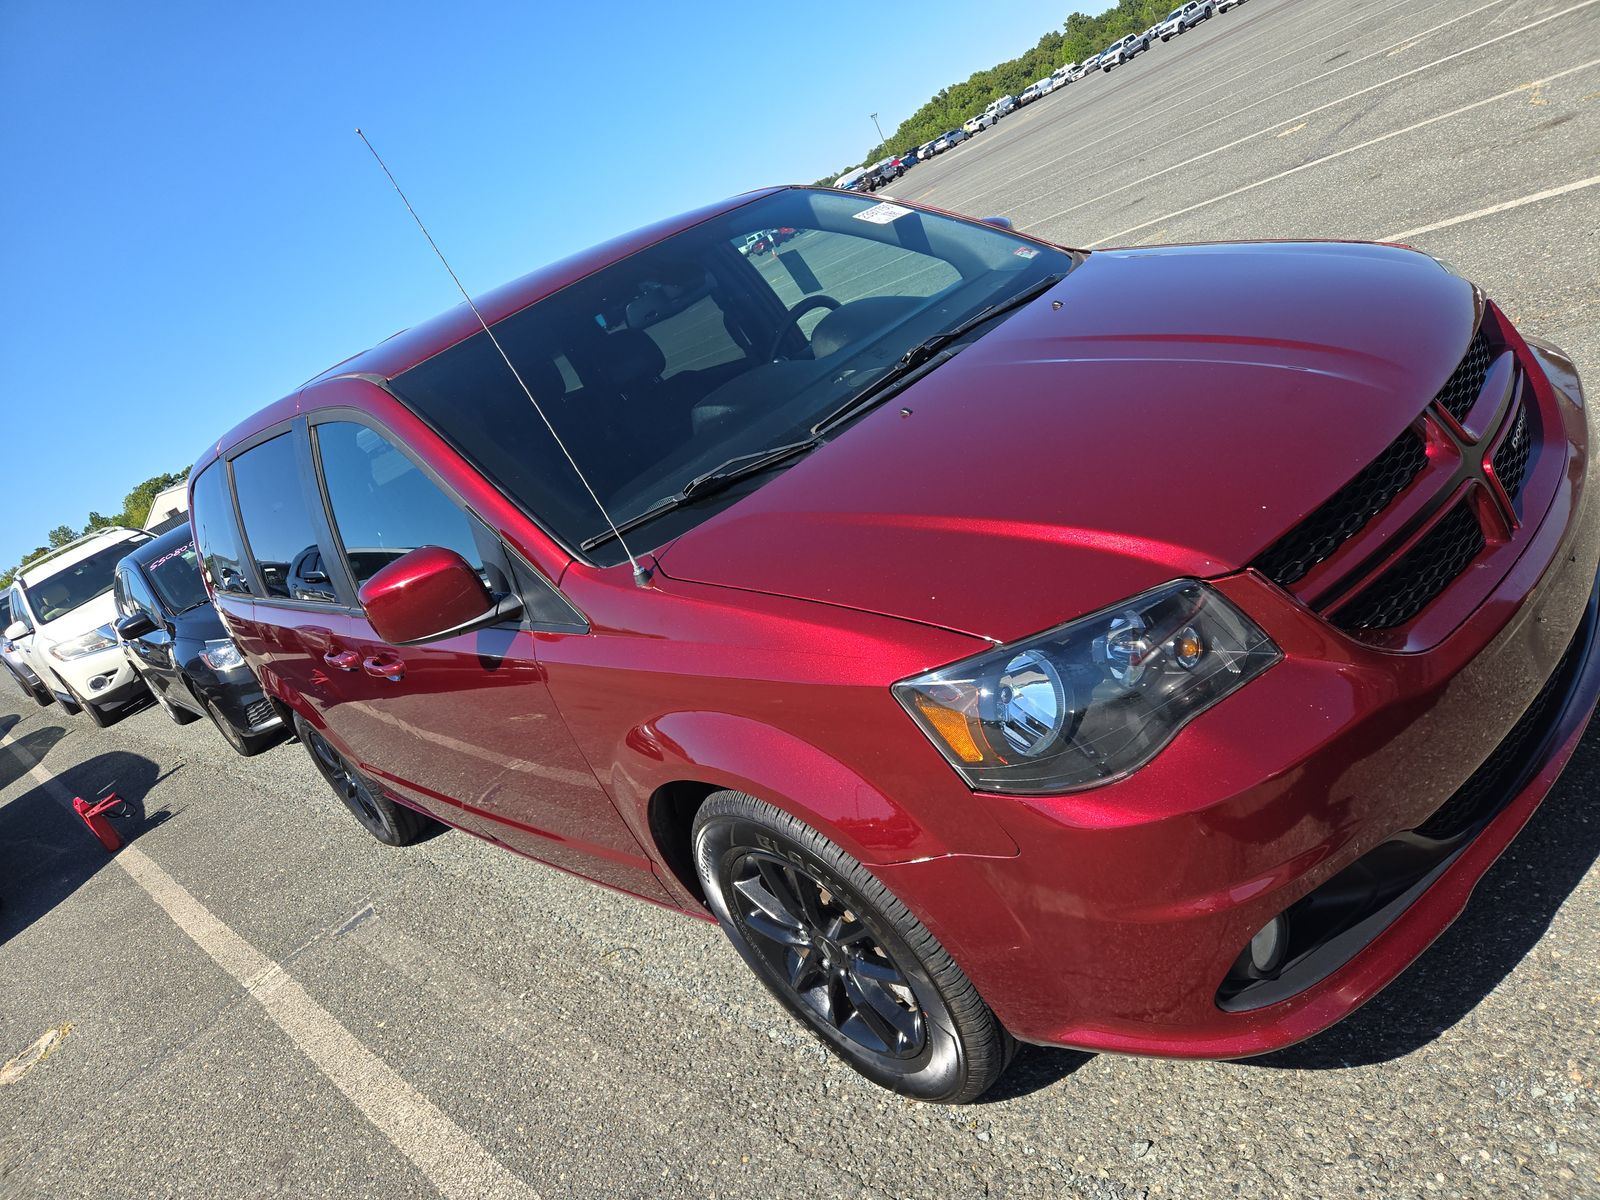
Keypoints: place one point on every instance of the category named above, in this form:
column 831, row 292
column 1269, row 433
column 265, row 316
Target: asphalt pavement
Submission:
column 254, row 998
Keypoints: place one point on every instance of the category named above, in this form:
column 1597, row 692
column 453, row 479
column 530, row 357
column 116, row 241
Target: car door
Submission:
column 150, row 653
column 466, row 719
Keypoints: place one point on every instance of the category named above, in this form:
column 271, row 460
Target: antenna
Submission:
column 641, row 575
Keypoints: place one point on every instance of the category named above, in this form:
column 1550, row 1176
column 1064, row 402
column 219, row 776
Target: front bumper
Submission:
column 104, row 677
column 1119, row 925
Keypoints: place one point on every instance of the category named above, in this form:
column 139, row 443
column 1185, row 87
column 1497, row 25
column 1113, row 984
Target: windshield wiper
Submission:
column 923, row 354
column 740, row 466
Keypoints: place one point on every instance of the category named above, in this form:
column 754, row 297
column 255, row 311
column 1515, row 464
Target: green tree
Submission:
column 61, row 535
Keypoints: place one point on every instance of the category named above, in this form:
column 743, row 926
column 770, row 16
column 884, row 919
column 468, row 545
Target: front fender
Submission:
column 745, row 755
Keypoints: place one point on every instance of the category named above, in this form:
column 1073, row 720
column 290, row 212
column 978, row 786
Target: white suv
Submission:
column 61, row 614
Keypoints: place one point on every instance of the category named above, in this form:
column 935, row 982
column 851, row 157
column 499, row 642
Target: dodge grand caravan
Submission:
column 1144, row 650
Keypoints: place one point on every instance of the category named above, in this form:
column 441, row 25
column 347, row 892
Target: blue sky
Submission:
column 192, row 228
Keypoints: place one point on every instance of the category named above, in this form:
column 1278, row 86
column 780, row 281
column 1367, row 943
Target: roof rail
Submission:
column 58, row 551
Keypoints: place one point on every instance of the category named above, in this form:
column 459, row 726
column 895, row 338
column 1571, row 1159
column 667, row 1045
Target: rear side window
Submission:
column 277, row 524
column 218, row 532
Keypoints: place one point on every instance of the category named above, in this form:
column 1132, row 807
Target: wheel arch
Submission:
column 672, row 764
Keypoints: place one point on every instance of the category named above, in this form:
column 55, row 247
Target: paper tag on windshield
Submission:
column 882, row 214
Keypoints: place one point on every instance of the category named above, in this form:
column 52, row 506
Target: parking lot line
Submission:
column 452, row 1160
column 1506, row 206
column 1189, row 101
column 1277, row 125
column 1327, row 158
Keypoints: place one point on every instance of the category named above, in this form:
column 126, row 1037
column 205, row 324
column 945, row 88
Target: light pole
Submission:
column 883, row 141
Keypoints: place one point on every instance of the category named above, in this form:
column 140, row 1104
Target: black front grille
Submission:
column 1511, row 459
column 1339, row 518
column 1503, row 770
column 259, row 713
column 1417, row 576
column 1461, row 389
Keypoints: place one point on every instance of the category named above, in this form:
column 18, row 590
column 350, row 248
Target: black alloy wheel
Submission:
column 392, row 824
column 844, row 955
column 826, row 956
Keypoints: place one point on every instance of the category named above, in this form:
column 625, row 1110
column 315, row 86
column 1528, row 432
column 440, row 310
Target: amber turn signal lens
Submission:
column 952, row 727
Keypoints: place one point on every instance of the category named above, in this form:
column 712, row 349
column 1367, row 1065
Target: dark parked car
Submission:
column 1140, row 650
column 177, row 643
column 16, row 663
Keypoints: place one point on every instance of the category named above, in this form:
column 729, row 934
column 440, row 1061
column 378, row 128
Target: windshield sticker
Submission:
column 1025, row 252
column 882, row 214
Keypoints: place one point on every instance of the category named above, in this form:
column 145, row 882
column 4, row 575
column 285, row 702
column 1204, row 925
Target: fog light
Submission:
column 1267, row 947
column 99, row 682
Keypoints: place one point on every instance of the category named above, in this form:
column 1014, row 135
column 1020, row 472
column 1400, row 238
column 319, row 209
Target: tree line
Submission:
column 135, row 511
column 1081, row 37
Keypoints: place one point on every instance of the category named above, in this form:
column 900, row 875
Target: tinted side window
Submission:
column 383, row 505
column 133, row 595
column 219, row 534
column 276, row 524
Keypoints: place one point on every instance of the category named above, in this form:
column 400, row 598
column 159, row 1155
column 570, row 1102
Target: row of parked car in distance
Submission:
column 1179, row 21
column 121, row 615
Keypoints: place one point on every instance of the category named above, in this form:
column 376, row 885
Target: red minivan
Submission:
column 1145, row 650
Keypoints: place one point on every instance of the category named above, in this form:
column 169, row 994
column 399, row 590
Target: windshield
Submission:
column 72, row 587
column 707, row 346
column 176, row 578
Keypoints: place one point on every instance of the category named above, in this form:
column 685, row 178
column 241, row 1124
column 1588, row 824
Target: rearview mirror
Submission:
column 428, row 594
column 998, row 222
column 15, row 631
column 134, row 625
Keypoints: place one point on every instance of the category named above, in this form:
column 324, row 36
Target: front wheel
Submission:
column 844, row 955
column 243, row 743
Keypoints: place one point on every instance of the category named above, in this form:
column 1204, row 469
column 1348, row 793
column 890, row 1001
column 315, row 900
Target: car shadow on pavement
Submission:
column 46, row 851
column 1509, row 912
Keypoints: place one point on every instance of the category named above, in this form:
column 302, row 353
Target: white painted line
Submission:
column 1327, row 158
column 1189, row 101
column 453, row 1161
column 1507, row 206
column 1277, row 125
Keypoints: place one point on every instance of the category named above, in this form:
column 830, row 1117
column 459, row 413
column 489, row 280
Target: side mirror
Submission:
column 999, row 222
column 15, row 631
column 134, row 625
column 428, row 594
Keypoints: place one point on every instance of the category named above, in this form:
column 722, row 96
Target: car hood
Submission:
column 1160, row 413
column 102, row 610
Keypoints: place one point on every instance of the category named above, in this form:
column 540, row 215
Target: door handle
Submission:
column 343, row 660
column 384, row 666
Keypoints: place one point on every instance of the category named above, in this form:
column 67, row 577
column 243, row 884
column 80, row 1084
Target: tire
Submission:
column 42, row 696
column 825, row 936
column 70, row 703
column 179, row 716
column 244, row 744
column 88, row 709
column 392, row 824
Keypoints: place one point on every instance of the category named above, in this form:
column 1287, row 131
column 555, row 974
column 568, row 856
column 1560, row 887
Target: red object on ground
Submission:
column 94, row 817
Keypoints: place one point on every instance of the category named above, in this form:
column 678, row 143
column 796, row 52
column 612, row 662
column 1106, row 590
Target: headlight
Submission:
column 93, row 642
column 1093, row 699
column 222, row 655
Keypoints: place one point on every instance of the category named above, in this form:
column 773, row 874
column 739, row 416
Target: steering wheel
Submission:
column 791, row 321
